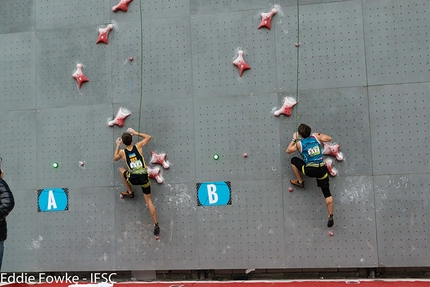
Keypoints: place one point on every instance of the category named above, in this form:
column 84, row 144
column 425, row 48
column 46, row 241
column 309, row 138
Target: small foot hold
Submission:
column 297, row 183
column 126, row 194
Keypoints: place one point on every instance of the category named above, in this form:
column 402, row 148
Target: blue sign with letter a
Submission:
column 214, row 193
column 53, row 199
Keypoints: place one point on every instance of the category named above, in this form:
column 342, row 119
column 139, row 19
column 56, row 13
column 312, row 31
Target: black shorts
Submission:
column 139, row 179
column 320, row 173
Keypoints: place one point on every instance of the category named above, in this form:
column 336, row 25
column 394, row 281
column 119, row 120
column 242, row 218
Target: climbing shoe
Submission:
column 330, row 221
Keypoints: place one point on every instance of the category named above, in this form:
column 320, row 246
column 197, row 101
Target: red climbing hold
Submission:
column 160, row 159
column 122, row 5
column 155, row 173
column 104, row 34
column 79, row 75
column 332, row 149
column 289, row 103
column 329, row 164
column 122, row 114
column 266, row 19
column 240, row 63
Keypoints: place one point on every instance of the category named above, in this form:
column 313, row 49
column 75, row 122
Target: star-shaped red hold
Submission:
column 289, row 103
column 332, row 149
column 104, row 34
column 122, row 5
column 266, row 19
column 155, row 173
column 240, row 63
column 79, row 76
column 160, row 159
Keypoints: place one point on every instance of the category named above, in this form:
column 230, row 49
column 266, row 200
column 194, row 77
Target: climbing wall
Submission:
column 362, row 72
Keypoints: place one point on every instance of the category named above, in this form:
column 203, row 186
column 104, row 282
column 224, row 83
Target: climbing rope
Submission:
column 141, row 66
column 297, row 72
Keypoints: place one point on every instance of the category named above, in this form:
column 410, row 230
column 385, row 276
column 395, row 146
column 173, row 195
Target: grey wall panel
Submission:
column 19, row 149
column 390, row 28
column 180, row 236
column 285, row 32
column 231, row 126
column 205, row 7
column 17, row 76
column 354, row 241
column 399, row 119
column 167, row 58
column 21, row 249
column 154, row 9
column 126, row 65
column 307, row 2
column 171, row 125
column 68, row 136
column 402, row 213
column 176, row 213
column 246, row 234
column 66, row 14
column 216, row 40
column 57, row 54
column 331, row 46
column 75, row 239
column 133, row 231
column 17, row 16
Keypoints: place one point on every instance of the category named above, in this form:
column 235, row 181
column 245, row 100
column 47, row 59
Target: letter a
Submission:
column 213, row 197
column 51, row 200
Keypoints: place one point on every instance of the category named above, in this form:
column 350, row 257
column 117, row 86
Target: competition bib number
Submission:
column 314, row 151
column 136, row 164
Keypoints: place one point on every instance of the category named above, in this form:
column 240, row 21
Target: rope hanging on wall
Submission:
column 141, row 66
column 297, row 72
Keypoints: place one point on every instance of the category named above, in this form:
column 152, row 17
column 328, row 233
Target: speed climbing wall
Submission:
column 361, row 71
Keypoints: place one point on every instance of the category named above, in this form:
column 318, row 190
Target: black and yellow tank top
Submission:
column 135, row 161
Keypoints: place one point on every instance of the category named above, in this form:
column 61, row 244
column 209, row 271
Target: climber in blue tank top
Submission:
column 312, row 165
column 311, row 150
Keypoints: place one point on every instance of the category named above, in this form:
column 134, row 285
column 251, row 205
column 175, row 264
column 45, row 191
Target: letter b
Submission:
column 212, row 195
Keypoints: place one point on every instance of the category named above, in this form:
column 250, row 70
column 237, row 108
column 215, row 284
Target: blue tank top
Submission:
column 311, row 150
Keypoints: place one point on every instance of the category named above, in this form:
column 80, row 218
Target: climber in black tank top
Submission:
column 135, row 173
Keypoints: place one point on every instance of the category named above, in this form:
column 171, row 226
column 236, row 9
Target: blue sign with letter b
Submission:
column 214, row 193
